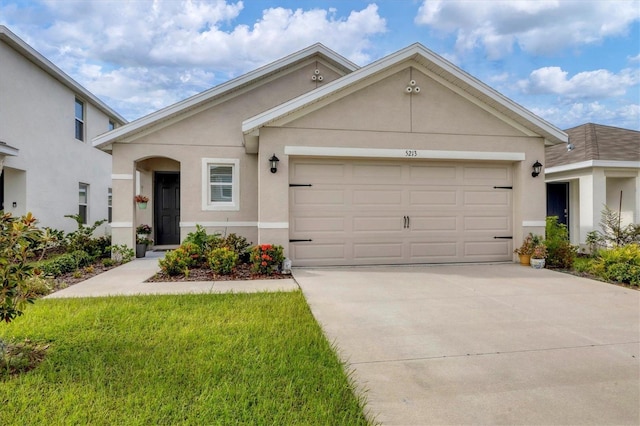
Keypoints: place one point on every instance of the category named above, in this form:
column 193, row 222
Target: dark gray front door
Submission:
column 167, row 208
column 558, row 201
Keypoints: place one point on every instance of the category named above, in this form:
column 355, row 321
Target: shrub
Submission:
column 37, row 286
column 621, row 264
column 239, row 245
column 222, row 260
column 62, row 264
column 204, row 242
column 107, row 262
column 120, row 253
column 266, row 258
column 560, row 252
column 194, row 252
column 18, row 236
column 176, row 262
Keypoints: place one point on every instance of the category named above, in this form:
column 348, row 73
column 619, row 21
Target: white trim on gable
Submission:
column 593, row 163
column 430, row 60
column 103, row 141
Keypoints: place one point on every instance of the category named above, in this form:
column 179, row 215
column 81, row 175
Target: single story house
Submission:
column 406, row 160
column 48, row 165
column 602, row 168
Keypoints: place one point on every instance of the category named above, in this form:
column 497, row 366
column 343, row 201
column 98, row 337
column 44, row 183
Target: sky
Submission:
column 570, row 62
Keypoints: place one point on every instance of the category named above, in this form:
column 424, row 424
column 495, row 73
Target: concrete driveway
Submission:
column 483, row 344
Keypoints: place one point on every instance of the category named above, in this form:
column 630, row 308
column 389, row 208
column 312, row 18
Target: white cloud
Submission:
column 160, row 52
column 584, row 85
column 537, row 26
column 567, row 116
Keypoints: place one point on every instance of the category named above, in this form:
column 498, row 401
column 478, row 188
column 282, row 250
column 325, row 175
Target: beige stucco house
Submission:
column 603, row 168
column 48, row 165
column 406, row 160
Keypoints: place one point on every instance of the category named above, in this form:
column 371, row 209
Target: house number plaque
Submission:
column 410, row 153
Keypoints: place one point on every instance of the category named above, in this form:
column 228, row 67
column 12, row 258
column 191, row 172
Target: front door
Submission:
column 166, row 203
column 558, row 201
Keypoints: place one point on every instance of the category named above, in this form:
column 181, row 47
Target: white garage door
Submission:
column 345, row 212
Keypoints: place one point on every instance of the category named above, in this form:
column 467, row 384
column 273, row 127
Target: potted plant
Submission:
column 538, row 255
column 141, row 201
column 142, row 239
column 525, row 250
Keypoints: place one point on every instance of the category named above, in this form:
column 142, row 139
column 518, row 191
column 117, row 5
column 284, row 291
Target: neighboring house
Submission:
column 603, row 168
column 406, row 160
column 47, row 120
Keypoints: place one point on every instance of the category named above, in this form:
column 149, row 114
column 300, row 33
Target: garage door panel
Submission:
column 434, row 174
column 421, row 198
column 481, row 175
column 377, row 224
column 319, row 198
column 303, row 225
column 394, row 212
column 301, row 172
column 434, row 223
column 487, row 198
column 372, row 198
column 431, row 252
column 318, row 253
column 380, row 251
column 487, row 223
column 487, row 249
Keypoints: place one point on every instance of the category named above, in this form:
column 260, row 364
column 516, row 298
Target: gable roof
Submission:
column 596, row 142
column 17, row 44
column 434, row 63
column 225, row 89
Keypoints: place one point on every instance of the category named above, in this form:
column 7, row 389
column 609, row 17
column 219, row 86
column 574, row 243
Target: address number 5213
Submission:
column 410, row 153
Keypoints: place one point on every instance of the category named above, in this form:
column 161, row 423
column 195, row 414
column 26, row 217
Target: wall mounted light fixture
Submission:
column 537, row 168
column 274, row 163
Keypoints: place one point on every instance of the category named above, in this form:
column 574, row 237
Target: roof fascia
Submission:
column 337, row 61
column 20, row 46
column 614, row 164
column 254, row 123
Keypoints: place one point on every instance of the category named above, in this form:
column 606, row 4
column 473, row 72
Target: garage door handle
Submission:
column 503, row 238
column 407, row 222
column 298, row 241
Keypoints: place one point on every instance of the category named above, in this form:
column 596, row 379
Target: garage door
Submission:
column 346, row 212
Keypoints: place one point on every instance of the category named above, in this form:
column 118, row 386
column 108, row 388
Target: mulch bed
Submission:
column 241, row 273
column 71, row 278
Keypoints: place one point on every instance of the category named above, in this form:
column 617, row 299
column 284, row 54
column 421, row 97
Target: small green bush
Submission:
column 62, row 264
column 36, row 286
column 238, row 244
column 266, row 258
column 107, row 262
column 176, row 262
column 621, row 264
column 223, row 260
column 560, row 252
column 204, row 242
column 121, row 253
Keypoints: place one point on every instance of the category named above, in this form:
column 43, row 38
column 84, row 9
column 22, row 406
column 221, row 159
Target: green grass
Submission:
column 192, row 359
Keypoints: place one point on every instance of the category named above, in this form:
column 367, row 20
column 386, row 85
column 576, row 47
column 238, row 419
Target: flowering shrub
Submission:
column 143, row 230
column 222, row 260
column 266, row 258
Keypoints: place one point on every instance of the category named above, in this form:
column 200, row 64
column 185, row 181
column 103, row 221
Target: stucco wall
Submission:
column 37, row 117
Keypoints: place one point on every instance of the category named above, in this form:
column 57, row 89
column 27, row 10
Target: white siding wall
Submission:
column 37, row 117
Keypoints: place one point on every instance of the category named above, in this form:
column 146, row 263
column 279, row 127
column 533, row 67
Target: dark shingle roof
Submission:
column 595, row 142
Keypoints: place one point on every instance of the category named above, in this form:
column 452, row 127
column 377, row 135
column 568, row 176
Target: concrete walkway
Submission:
column 129, row 278
column 483, row 344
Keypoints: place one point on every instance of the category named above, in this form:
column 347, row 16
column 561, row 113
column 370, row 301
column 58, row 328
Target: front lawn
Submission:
column 191, row 359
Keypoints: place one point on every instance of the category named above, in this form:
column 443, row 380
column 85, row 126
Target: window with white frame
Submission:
column 109, row 203
column 79, row 120
column 83, row 202
column 220, row 184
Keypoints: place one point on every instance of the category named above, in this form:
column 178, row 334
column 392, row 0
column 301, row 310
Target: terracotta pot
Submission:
column 525, row 259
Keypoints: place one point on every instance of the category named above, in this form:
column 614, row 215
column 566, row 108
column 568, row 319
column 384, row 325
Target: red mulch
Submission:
column 242, row 272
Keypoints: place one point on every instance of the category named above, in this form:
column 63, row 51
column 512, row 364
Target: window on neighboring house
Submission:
column 79, row 120
column 109, row 203
column 83, row 202
column 112, row 125
column 220, row 186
